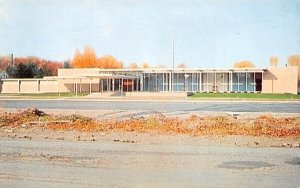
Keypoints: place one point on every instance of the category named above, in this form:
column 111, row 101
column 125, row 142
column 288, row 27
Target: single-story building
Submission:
column 91, row 80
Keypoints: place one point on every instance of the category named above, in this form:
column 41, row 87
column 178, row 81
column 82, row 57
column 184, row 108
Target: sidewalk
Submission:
column 149, row 99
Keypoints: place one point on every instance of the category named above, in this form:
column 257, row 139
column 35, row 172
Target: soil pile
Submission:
column 193, row 125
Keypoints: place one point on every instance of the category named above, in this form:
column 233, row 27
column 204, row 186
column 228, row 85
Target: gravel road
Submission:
column 109, row 164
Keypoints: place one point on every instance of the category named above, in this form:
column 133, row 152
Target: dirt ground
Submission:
column 245, row 130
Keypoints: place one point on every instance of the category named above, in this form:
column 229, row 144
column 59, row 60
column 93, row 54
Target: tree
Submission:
column 89, row 59
column 244, row 64
column 43, row 67
column 11, row 71
column 274, row 61
column 109, row 62
column 182, row 65
column 45, row 70
column 78, row 59
column 133, row 66
column 160, row 66
column 40, row 73
column 4, row 62
column 28, row 70
column 67, row 64
column 294, row 60
column 145, row 66
column 49, row 67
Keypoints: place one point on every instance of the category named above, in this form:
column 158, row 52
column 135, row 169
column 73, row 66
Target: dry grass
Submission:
column 193, row 125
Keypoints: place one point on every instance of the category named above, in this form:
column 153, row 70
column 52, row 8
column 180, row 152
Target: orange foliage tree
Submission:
column 274, row 61
column 89, row 59
column 86, row 59
column 133, row 66
column 77, row 59
column 109, row 62
column 49, row 67
column 294, row 60
column 244, row 64
column 145, row 66
column 4, row 62
column 182, row 65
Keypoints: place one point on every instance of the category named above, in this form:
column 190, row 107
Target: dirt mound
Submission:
column 193, row 125
column 20, row 117
column 33, row 112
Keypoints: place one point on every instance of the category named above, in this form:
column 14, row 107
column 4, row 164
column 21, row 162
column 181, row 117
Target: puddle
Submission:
column 241, row 165
column 294, row 161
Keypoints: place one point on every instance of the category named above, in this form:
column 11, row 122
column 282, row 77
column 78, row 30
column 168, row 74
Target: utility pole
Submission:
column 12, row 60
column 173, row 66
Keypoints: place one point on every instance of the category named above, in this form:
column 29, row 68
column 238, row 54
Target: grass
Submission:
column 269, row 96
column 45, row 95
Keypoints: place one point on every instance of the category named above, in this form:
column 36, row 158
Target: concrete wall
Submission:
column 73, row 72
column 83, row 85
column 280, row 80
column 49, row 86
column 11, row 86
column 28, row 86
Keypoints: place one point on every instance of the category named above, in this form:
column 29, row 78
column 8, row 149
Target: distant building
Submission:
column 95, row 80
column 3, row 75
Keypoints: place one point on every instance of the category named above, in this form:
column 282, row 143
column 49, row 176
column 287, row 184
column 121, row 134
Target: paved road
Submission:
column 172, row 106
column 109, row 164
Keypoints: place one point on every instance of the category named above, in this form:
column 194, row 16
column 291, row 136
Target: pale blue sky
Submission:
column 208, row 33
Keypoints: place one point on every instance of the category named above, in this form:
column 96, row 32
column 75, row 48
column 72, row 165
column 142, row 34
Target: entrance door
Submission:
column 258, row 81
column 127, row 85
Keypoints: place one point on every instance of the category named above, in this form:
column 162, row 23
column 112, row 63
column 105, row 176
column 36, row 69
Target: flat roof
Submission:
column 183, row 70
column 116, row 76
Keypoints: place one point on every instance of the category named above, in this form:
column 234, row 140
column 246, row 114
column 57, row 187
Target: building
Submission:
column 95, row 80
column 3, row 75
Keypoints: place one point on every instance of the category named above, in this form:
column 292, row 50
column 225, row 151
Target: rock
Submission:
column 285, row 144
column 8, row 131
column 296, row 145
column 35, row 111
column 24, row 126
column 27, row 137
